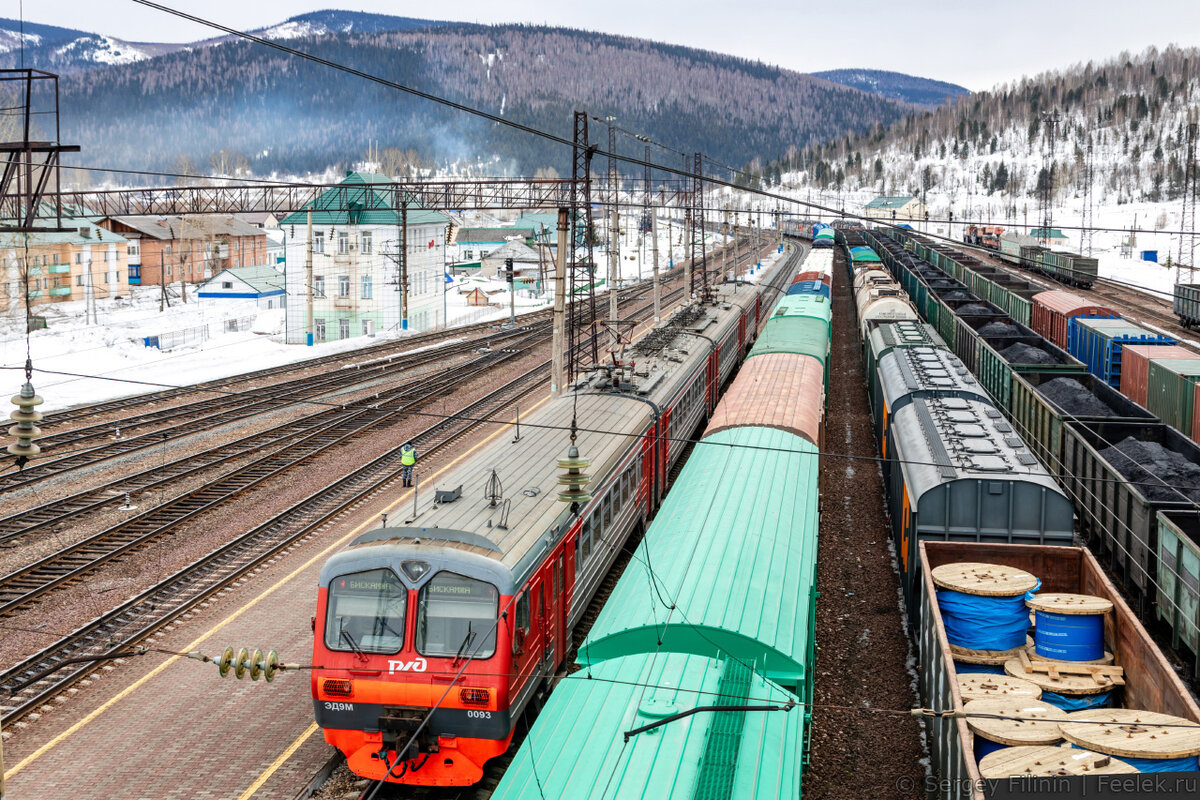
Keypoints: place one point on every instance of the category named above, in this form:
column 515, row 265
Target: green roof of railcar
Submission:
column 734, row 549
column 576, row 748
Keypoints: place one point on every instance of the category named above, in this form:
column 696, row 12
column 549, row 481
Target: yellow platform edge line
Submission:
column 277, row 763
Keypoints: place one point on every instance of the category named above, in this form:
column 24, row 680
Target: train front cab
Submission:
column 396, row 622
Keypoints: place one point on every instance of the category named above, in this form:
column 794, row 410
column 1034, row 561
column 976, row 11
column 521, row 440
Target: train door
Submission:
column 558, row 608
column 710, row 381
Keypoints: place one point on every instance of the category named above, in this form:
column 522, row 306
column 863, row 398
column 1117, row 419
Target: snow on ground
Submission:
column 76, row 362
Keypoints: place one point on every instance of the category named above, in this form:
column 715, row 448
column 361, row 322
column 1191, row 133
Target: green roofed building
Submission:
column 356, row 244
column 889, row 207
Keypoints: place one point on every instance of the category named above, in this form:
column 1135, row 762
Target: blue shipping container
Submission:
column 1098, row 343
column 809, row 287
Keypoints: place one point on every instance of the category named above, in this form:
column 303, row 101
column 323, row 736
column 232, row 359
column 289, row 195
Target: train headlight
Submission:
column 337, row 687
column 475, row 697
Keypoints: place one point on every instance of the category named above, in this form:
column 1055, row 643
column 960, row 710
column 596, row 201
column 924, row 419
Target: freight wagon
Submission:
column 1120, row 475
column 1043, row 403
column 1135, row 367
column 1054, row 310
column 1186, row 303
column 1150, row 683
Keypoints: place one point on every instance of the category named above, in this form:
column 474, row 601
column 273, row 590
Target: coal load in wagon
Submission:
column 1160, row 474
column 957, row 294
column 999, row 329
column 1074, row 398
column 974, row 308
column 1021, row 353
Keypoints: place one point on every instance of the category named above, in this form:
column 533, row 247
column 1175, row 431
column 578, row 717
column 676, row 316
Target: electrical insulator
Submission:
column 25, row 416
column 574, row 479
column 243, row 663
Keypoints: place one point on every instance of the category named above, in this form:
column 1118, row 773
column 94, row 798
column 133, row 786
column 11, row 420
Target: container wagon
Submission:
column 1098, row 343
column 1135, row 367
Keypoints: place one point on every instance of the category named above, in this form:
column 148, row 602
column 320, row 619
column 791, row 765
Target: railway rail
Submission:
column 50, row 671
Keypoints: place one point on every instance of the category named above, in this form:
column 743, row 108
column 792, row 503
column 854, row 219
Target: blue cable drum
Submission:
column 984, row 747
column 1189, row 764
column 1186, row 764
column 963, row 668
column 1070, row 627
column 1077, row 702
column 983, row 605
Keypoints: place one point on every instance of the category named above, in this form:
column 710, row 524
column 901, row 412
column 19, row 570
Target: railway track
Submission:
column 22, row 587
column 205, row 415
column 48, row 672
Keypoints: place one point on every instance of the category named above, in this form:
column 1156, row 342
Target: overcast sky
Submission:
column 971, row 43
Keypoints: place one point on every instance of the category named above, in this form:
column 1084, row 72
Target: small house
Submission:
column 263, row 284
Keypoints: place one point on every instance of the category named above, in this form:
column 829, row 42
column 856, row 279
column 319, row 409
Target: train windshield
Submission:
column 366, row 612
column 456, row 616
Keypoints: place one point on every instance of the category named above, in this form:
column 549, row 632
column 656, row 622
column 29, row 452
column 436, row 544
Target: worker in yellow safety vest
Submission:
column 408, row 460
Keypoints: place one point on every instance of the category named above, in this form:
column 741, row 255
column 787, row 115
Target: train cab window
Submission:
column 366, row 612
column 456, row 615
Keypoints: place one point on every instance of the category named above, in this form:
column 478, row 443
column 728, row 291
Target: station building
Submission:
column 905, row 207
column 356, row 275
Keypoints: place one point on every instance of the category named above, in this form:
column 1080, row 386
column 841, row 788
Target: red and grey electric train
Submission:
column 469, row 606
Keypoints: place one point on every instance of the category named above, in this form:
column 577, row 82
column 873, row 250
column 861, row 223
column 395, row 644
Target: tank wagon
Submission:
column 434, row 635
column 688, row 616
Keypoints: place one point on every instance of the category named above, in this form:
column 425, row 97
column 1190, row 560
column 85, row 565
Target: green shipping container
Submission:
column 1169, row 391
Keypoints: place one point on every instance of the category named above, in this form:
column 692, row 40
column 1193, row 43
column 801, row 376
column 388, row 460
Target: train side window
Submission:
column 607, row 511
column 585, row 536
column 521, row 628
column 618, row 494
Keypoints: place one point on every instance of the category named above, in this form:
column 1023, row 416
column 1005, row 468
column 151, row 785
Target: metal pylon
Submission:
column 581, row 313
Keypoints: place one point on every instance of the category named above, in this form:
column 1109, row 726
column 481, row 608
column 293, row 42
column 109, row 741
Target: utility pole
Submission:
column 308, row 282
column 654, row 261
column 1187, row 219
column 560, row 305
column 614, row 233
column 404, row 265
column 725, row 239
column 162, row 281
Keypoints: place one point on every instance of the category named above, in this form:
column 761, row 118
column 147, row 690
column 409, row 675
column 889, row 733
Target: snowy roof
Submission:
column 898, row 201
column 476, row 235
column 517, row 251
column 368, row 207
column 81, row 231
column 264, row 279
column 194, row 227
column 1055, row 233
column 538, row 220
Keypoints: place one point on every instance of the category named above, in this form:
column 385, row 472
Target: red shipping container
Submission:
column 1196, row 413
column 1135, row 366
column 1053, row 310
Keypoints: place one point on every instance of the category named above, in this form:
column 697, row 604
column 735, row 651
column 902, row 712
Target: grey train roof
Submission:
column 925, row 371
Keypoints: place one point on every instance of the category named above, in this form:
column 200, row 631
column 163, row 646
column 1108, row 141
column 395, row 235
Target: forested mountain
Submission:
column 1005, row 144
column 896, row 85
column 250, row 106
